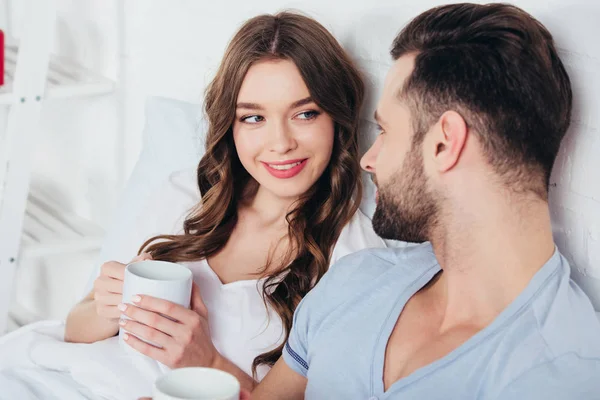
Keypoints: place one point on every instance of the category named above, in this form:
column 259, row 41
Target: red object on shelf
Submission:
column 1, row 57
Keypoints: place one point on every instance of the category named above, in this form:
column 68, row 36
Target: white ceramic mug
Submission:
column 161, row 279
column 197, row 384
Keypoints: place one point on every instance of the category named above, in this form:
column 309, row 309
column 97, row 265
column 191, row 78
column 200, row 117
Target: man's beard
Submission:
column 407, row 209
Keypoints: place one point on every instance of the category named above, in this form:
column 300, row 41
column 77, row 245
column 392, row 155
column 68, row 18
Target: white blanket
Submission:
column 35, row 363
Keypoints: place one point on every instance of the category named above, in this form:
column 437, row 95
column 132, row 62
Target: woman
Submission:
column 279, row 187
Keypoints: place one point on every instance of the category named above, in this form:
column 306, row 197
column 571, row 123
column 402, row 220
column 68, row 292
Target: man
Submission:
column 472, row 116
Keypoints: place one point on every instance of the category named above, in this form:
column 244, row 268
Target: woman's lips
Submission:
column 285, row 169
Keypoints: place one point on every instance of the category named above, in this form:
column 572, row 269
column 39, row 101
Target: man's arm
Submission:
column 288, row 377
column 281, row 383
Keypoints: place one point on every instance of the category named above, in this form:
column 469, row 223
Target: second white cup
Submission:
column 197, row 384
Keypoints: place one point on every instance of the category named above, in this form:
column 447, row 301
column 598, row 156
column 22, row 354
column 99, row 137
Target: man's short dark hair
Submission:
column 498, row 67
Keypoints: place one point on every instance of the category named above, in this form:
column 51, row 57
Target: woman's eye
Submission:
column 252, row 119
column 306, row 115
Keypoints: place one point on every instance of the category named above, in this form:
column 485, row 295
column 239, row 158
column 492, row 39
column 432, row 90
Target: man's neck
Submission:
column 488, row 261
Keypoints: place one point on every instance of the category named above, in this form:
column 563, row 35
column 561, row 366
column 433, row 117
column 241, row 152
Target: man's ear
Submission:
column 449, row 141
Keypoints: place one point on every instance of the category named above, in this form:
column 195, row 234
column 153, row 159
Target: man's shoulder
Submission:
column 532, row 356
column 556, row 338
column 568, row 376
column 377, row 260
column 368, row 265
column 565, row 316
column 374, row 274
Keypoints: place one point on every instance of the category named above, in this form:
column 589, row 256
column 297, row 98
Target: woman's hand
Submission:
column 185, row 341
column 108, row 287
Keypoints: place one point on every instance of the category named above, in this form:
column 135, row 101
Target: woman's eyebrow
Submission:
column 302, row 102
column 256, row 106
column 250, row 106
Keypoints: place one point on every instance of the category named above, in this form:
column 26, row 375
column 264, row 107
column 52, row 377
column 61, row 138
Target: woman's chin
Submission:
column 287, row 190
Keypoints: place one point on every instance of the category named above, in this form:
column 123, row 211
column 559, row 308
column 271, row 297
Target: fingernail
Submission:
column 122, row 322
column 125, row 336
column 136, row 299
column 122, row 307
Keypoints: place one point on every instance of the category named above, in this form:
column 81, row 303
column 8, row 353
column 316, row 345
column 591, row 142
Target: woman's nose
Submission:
column 282, row 139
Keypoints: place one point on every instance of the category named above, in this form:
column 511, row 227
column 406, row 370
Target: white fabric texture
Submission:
column 35, row 363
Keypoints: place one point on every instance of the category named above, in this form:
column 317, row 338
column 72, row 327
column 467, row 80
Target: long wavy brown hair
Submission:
column 317, row 218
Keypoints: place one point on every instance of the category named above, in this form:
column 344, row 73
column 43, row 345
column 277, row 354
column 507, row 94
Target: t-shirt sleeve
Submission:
column 308, row 316
column 357, row 235
column 295, row 351
column 162, row 212
column 565, row 378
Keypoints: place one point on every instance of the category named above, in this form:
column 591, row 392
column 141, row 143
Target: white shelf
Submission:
column 49, row 230
column 65, row 78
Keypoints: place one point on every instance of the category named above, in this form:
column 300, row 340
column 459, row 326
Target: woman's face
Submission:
column 283, row 139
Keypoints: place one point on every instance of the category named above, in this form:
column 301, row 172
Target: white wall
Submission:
column 172, row 47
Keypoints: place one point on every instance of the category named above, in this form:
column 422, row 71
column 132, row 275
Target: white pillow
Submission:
column 172, row 140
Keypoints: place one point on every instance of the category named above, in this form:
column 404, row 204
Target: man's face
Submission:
column 407, row 207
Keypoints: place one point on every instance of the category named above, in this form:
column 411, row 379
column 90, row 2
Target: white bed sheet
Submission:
column 35, row 363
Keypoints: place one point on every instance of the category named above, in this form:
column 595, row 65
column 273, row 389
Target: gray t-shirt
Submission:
column 544, row 345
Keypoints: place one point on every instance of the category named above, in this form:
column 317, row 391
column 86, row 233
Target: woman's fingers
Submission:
column 116, row 270
column 141, row 257
column 108, row 299
column 150, row 318
column 146, row 332
column 113, row 269
column 164, row 307
column 107, row 284
column 110, row 312
column 147, row 349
